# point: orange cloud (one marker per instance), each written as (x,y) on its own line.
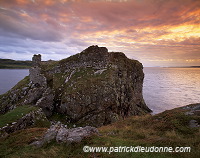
(22,2)
(49,2)
(146,27)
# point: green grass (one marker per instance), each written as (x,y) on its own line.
(42,123)
(81,80)
(48,65)
(85,79)
(165,130)
(15,114)
(58,80)
(73,58)
(18,142)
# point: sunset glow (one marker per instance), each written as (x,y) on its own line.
(155,32)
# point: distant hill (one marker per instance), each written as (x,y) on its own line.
(183,67)
(14,64)
(195,66)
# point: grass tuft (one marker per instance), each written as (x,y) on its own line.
(15,114)
(167,129)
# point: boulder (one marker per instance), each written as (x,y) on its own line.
(62,134)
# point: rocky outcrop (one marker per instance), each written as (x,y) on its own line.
(16,96)
(28,120)
(37,77)
(62,134)
(97,87)
(94,87)
(193,110)
(46,102)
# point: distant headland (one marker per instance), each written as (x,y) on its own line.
(14,64)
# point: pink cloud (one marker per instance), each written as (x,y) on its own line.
(148,26)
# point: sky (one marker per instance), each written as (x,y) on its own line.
(155,32)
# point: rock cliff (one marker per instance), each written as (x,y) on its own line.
(94,87)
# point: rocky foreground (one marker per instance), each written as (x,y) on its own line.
(179,127)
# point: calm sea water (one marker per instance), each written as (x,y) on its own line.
(164,88)
(10,77)
(167,88)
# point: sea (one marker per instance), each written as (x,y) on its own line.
(10,77)
(163,88)
(168,88)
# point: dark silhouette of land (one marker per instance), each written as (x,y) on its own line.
(14,64)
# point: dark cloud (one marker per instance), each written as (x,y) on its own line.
(147,29)
(42,32)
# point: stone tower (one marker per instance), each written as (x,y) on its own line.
(36,59)
(35,73)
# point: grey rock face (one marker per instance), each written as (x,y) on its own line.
(34,95)
(102,94)
(37,77)
(193,124)
(61,134)
(77,134)
(52,133)
(92,57)
(192,110)
(46,102)
(94,87)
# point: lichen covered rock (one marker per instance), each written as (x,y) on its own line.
(101,89)
(62,134)
(94,87)
(34,118)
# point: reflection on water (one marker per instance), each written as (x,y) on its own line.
(167,88)
(164,88)
(10,77)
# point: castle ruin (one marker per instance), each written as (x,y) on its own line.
(35,71)
(36,59)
